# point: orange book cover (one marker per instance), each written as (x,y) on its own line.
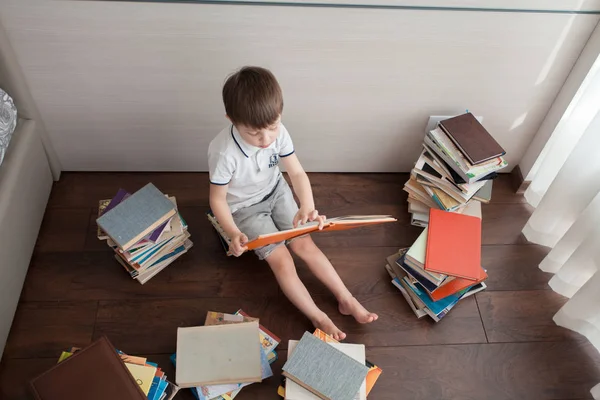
(454,245)
(331,224)
(374,371)
(456,285)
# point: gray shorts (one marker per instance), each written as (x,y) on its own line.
(274,213)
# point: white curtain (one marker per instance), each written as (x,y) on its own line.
(567,219)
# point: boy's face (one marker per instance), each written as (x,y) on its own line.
(262,138)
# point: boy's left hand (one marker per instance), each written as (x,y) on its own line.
(303,216)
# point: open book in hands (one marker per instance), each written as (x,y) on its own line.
(330,224)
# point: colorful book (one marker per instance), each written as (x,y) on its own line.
(374,370)
(268,340)
(454,245)
(325,370)
(137,216)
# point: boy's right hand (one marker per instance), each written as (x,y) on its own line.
(237,247)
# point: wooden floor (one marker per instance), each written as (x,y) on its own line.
(499,344)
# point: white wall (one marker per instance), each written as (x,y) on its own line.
(136,86)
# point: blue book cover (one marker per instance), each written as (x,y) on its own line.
(427,284)
(167,256)
(136,216)
(436,307)
(153,388)
(162,386)
(140,258)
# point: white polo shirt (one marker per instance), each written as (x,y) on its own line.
(251,172)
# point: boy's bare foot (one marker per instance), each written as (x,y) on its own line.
(325,324)
(351,306)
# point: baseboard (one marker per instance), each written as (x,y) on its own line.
(519,184)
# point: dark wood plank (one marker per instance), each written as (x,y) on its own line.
(503,223)
(45,329)
(522,316)
(15,375)
(361,269)
(541,371)
(85,189)
(98,276)
(63,230)
(155,322)
(504,192)
(515,267)
(398,326)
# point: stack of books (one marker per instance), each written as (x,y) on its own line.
(145,230)
(442,267)
(99,371)
(240,349)
(319,367)
(296,393)
(458,163)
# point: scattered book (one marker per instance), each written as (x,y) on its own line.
(268,342)
(218,354)
(325,370)
(165,240)
(99,372)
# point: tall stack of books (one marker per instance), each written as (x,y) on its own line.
(145,230)
(242,351)
(99,371)
(458,163)
(442,267)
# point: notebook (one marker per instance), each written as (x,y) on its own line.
(473,140)
(294,391)
(324,370)
(218,354)
(453,244)
(136,216)
(93,373)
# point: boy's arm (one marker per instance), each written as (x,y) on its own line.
(301,185)
(220,208)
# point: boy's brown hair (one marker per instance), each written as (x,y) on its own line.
(253,97)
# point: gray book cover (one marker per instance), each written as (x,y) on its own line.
(485,193)
(325,370)
(136,216)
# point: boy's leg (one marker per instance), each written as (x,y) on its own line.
(282,265)
(283,212)
(321,267)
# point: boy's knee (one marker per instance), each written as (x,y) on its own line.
(280,260)
(303,246)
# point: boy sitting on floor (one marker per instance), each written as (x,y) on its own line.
(250,197)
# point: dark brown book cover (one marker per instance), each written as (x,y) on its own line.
(94,373)
(473,140)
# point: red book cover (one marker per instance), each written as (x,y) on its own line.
(454,245)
